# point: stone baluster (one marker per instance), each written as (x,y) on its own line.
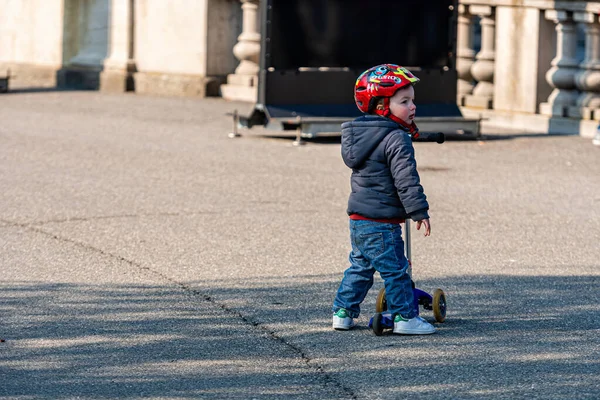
(564,66)
(119,67)
(482,69)
(247,50)
(243,84)
(465,55)
(588,78)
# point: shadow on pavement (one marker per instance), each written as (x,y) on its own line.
(82,341)
(41,90)
(505,337)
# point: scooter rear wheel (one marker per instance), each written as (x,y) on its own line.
(377,324)
(439,305)
(381,304)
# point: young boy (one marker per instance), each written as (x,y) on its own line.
(385,190)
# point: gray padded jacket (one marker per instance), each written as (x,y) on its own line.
(385,182)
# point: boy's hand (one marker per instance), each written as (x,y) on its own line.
(427,226)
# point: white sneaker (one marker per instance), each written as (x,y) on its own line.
(413,326)
(341,320)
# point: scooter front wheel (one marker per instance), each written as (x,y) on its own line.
(377,324)
(439,305)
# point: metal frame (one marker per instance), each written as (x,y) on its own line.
(284,104)
(4,82)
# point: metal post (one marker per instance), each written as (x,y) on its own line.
(236,118)
(299,141)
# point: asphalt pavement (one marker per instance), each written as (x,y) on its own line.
(144,254)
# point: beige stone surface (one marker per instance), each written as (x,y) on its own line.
(175,40)
(114,81)
(31,32)
(239,92)
(525,39)
(175,84)
(30,75)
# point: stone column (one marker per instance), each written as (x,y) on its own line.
(243,84)
(524,51)
(588,78)
(564,66)
(117,76)
(465,55)
(483,68)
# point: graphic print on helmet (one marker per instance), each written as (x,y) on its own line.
(379,82)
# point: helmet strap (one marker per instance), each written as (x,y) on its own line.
(384,111)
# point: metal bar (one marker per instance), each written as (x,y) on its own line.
(299,141)
(236,120)
(407,245)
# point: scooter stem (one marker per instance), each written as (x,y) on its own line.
(407,245)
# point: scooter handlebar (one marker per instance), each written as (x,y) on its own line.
(437,137)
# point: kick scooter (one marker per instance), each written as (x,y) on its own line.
(437,303)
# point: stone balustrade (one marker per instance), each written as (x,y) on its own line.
(587,77)
(531,75)
(482,70)
(465,54)
(243,84)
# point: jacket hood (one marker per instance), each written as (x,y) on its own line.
(361,136)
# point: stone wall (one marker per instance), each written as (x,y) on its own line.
(184,50)
(31,41)
(180,47)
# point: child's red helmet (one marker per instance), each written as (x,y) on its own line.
(379,82)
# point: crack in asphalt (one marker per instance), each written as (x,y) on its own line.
(325,376)
(101,217)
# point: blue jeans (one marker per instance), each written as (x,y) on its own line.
(377,247)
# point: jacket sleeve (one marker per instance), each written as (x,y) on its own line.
(400,155)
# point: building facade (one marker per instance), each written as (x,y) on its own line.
(116,45)
(528,64)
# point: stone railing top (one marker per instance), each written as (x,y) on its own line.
(570,5)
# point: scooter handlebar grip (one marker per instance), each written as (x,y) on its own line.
(437,137)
